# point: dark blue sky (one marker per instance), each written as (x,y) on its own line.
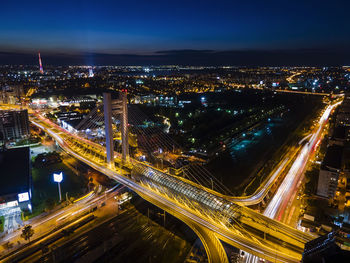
(145,27)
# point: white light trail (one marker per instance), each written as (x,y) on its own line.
(287,187)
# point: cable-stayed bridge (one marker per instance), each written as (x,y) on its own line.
(212,215)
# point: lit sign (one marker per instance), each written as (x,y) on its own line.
(12,204)
(23,197)
(58,177)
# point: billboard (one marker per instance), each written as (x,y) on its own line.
(22,197)
(58,177)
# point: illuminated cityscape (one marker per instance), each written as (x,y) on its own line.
(133,138)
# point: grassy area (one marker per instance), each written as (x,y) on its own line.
(45,188)
(287,135)
(31,140)
(2,221)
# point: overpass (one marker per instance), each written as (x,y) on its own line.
(210,215)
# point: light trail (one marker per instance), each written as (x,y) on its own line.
(58,217)
(262,191)
(297,168)
(276,206)
(233,236)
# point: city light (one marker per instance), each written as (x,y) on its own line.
(58,177)
(22,197)
(165,109)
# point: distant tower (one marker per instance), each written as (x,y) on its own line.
(40,65)
(91,73)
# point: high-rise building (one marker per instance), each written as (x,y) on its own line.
(14,124)
(11,94)
(329,172)
(343,115)
(16,179)
(328,248)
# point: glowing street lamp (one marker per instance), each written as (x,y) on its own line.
(58,179)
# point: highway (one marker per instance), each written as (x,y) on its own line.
(288,187)
(254,240)
(290,78)
(46,223)
(302,92)
(264,188)
(283,194)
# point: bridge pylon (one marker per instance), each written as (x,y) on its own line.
(124,126)
(119,107)
(107,108)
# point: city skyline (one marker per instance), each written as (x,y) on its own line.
(224,32)
(175,131)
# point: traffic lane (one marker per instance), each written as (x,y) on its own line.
(108,172)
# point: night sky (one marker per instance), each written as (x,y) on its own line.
(185,32)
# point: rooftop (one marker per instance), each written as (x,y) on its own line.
(73,123)
(339,133)
(15,170)
(333,157)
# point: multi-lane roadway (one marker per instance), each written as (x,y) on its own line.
(46,223)
(254,240)
(288,187)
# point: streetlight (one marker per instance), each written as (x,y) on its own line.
(58,179)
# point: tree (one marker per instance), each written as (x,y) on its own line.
(27,232)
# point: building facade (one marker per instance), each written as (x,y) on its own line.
(329,172)
(14,124)
(16,179)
